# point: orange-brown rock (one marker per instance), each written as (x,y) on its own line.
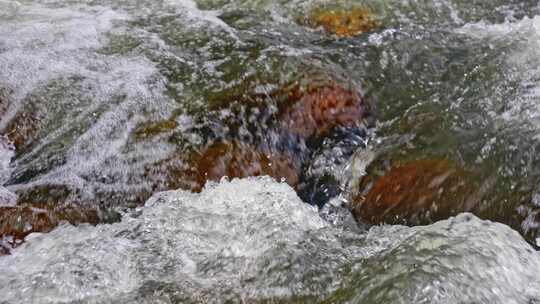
(317,109)
(19,221)
(306,110)
(343,22)
(417,192)
(22,129)
(303,110)
(424,122)
(231,159)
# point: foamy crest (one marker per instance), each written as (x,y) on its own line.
(101,96)
(8,8)
(200,18)
(253,239)
(7,152)
(522,39)
(36,52)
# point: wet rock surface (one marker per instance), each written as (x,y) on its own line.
(303,109)
(23,128)
(3,105)
(16,222)
(251,134)
(154,129)
(274,133)
(222,159)
(417,192)
(42,208)
(316,110)
(343,22)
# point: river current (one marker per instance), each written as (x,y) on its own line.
(108,106)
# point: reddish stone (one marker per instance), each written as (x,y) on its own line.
(417,192)
(302,110)
(305,110)
(19,221)
(22,129)
(231,159)
(316,110)
(344,22)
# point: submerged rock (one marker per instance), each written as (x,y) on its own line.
(342,21)
(23,128)
(4,249)
(231,159)
(17,222)
(417,192)
(319,108)
(262,134)
(4,105)
(153,129)
(300,109)
(41,208)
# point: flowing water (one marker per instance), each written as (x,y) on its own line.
(103,103)
(255,241)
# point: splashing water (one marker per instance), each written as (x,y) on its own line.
(103,102)
(254,240)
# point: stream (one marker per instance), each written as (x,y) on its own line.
(269,151)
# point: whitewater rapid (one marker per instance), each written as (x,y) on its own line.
(253,239)
(90,73)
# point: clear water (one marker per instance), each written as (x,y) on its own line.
(83,77)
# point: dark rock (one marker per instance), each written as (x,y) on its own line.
(4,105)
(293,110)
(4,249)
(153,129)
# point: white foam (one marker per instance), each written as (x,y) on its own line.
(253,239)
(7,198)
(7,152)
(523,63)
(8,8)
(45,47)
(43,44)
(201,18)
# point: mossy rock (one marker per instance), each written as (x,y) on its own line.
(153,129)
(343,22)
(4,105)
